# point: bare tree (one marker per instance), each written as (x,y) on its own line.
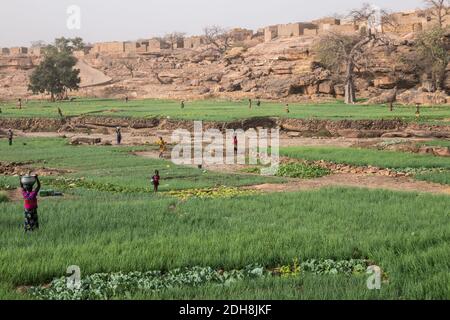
(348,53)
(218,37)
(130,65)
(173,38)
(440,9)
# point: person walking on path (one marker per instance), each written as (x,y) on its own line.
(118,135)
(235,144)
(31,222)
(10,137)
(162,147)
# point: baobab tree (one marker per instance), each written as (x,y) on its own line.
(345,53)
(217,37)
(439,9)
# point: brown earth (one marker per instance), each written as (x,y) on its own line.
(292,127)
(357,181)
(285,69)
(24,168)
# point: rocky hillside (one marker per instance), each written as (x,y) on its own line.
(283,69)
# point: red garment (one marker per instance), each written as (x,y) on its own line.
(235,141)
(156,180)
(30,200)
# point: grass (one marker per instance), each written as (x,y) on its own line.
(406,234)
(220,110)
(3,197)
(436,143)
(364,157)
(115,165)
(425,164)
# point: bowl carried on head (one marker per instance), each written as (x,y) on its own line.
(28,180)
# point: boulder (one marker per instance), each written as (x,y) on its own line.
(396,135)
(442,152)
(85,140)
(412,97)
(386,82)
(326,87)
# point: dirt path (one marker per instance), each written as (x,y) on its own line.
(369,181)
(145,136)
(356,180)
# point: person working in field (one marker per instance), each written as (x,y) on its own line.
(155,181)
(118,135)
(249,103)
(30,205)
(10,137)
(258,103)
(235,144)
(162,146)
(182,104)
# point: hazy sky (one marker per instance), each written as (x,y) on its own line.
(23,21)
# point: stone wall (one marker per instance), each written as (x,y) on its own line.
(239,34)
(193,42)
(270,33)
(157,44)
(109,47)
(18,51)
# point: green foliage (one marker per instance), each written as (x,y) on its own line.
(3,197)
(302,170)
(323,267)
(432,48)
(221,110)
(116,285)
(55,75)
(103,232)
(69,44)
(364,157)
(210,193)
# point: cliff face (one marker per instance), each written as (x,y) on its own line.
(282,69)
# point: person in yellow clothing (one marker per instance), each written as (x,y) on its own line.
(162,146)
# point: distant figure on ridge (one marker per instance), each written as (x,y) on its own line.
(235,144)
(118,135)
(392,98)
(10,137)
